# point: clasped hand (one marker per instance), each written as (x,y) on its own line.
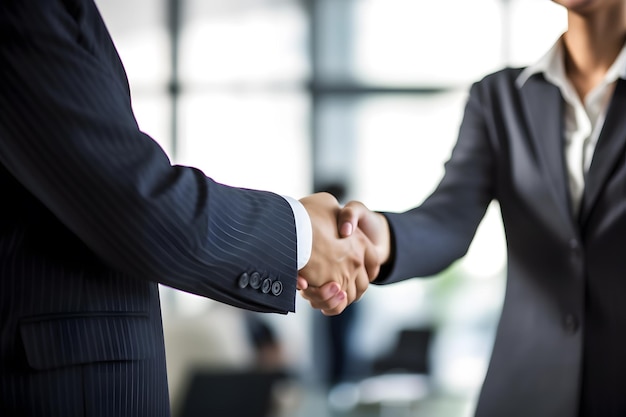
(349,245)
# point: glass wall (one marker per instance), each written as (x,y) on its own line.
(142,39)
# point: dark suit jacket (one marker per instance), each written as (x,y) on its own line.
(93,216)
(561,340)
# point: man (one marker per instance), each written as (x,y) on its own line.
(94,216)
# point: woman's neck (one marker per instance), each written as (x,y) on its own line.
(592,42)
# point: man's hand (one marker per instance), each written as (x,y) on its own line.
(353,219)
(340,269)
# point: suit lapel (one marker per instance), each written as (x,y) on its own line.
(608,150)
(543,105)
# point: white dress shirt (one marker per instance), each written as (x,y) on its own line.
(583,119)
(304,231)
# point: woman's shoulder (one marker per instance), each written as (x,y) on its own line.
(506,76)
(500,83)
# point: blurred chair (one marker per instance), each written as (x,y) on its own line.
(212,393)
(409,355)
(400,378)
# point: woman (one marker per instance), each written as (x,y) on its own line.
(547,142)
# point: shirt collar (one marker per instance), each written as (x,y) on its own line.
(553,67)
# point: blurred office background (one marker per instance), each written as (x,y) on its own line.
(362,98)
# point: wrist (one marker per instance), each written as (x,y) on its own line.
(384,246)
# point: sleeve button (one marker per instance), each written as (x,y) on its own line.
(243,281)
(255,280)
(277,288)
(267,286)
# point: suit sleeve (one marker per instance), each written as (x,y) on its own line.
(428,238)
(69,136)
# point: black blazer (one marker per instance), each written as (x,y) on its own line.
(561,340)
(93,216)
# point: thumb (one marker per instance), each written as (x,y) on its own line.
(348,218)
(302,283)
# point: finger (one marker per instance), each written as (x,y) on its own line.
(322,294)
(351,291)
(361,283)
(302,283)
(335,304)
(350,279)
(340,302)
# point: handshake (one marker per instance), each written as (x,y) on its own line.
(349,246)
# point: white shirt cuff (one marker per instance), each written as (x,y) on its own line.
(304,231)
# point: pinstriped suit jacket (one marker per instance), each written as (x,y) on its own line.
(561,341)
(93,216)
